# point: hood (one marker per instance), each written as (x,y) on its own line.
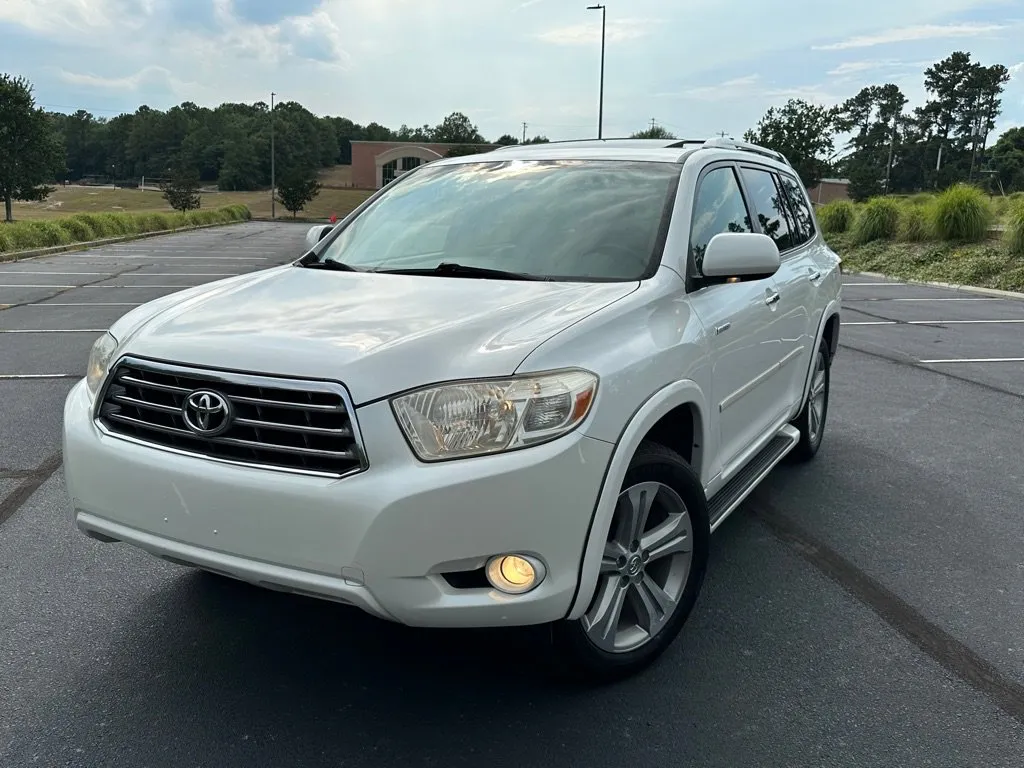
(377,334)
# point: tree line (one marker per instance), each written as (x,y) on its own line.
(889,149)
(892,150)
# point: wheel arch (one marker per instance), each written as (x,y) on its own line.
(667,408)
(828,329)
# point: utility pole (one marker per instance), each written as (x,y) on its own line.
(654,123)
(722,134)
(524,133)
(600,103)
(273,179)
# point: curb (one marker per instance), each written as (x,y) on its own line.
(949,286)
(35,253)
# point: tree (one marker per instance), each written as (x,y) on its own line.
(875,118)
(507,140)
(538,140)
(296,189)
(801,131)
(1008,159)
(457,129)
(461,150)
(30,150)
(182,190)
(654,132)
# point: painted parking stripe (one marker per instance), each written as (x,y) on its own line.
(933,322)
(134,274)
(873,284)
(176,258)
(83,304)
(14,285)
(930,298)
(53,330)
(975,360)
(18,376)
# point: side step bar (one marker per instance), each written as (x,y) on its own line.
(732,494)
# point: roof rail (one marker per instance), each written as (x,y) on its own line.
(746,146)
(623,142)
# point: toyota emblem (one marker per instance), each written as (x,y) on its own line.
(206,413)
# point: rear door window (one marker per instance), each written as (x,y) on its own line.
(767,201)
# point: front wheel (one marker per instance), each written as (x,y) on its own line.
(652,570)
(811,421)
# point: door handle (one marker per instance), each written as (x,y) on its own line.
(771,299)
(815,275)
(722,328)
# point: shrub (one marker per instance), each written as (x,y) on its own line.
(878,221)
(962,212)
(921,198)
(1015,227)
(83,227)
(836,217)
(99,227)
(48,233)
(914,224)
(78,230)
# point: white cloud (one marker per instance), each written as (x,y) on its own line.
(911,34)
(81,18)
(616,31)
(146,76)
(752,88)
(1017,69)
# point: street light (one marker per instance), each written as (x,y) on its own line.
(600,107)
(273,185)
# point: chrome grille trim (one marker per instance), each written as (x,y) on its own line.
(298,426)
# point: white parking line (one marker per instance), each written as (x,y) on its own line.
(958,298)
(169,258)
(932,322)
(976,360)
(85,304)
(138,274)
(15,285)
(873,284)
(16,376)
(53,330)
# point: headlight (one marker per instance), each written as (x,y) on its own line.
(99,362)
(474,418)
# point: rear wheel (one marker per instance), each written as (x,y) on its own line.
(655,557)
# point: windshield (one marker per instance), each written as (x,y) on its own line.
(559,220)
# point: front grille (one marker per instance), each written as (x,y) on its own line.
(282,424)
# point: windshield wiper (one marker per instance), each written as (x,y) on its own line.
(448,269)
(331,264)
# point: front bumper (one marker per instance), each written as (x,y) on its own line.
(379,540)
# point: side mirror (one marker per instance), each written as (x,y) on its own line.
(316,234)
(740,254)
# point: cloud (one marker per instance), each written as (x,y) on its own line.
(1017,69)
(148,76)
(616,31)
(752,88)
(911,34)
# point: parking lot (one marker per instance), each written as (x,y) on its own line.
(866,609)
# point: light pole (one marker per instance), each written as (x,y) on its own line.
(600,103)
(273,180)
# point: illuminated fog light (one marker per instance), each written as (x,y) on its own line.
(514,574)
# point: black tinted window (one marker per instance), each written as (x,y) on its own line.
(802,220)
(719,208)
(766,201)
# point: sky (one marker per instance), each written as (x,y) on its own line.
(696,67)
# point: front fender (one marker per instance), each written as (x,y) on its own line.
(662,402)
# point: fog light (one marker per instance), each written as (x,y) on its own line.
(514,574)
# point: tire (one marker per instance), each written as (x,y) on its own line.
(579,654)
(812,428)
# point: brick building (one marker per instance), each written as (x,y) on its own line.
(376,163)
(828,190)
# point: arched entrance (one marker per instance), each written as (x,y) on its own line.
(395,162)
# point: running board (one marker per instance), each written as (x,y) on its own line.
(732,494)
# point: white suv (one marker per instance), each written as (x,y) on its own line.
(514,388)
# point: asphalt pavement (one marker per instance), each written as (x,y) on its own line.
(866,609)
